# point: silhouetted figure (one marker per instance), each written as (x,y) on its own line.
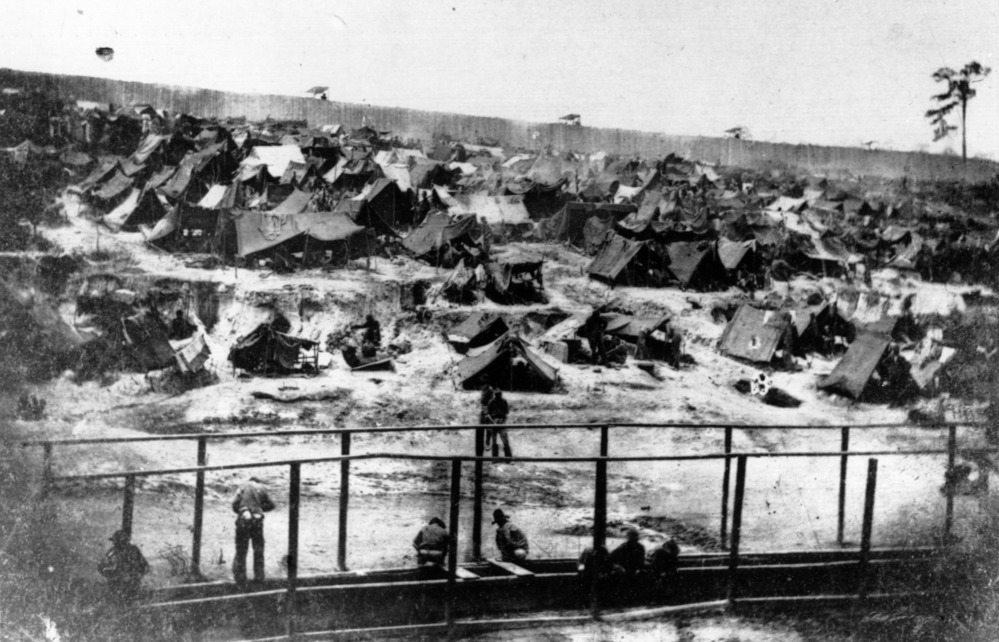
(180,327)
(431,543)
(250,504)
(123,567)
(510,540)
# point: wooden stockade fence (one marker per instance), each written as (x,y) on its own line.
(427,126)
(731,538)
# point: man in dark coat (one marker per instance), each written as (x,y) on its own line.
(628,559)
(510,540)
(250,504)
(497,412)
(431,543)
(123,567)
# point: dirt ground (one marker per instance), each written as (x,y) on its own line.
(790,502)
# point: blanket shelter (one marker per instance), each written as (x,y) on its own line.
(296,203)
(440,240)
(149,338)
(518,281)
(499,210)
(855,370)
(568,224)
(695,265)
(114,190)
(270,350)
(758,336)
(626,262)
(388,202)
(564,340)
(738,256)
(105,169)
(647,334)
(427,173)
(479,329)
(141,207)
(507,364)
(275,157)
(220,197)
(318,237)
(540,200)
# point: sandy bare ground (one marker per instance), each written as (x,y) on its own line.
(790,503)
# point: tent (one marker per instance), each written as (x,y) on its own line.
(737,255)
(695,265)
(388,202)
(758,335)
(514,281)
(268,349)
(854,370)
(507,364)
(275,157)
(219,197)
(479,329)
(148,336)
(142,207)
(437,233)
(296,203)
(628,262)
(499,210)
(568,224)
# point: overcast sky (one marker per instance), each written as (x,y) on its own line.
(820,71)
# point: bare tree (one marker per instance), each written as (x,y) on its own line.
(959,92)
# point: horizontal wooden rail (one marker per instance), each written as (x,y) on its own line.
(465,427)
(550,460)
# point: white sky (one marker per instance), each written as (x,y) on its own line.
(819,71)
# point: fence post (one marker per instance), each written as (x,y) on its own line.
(46,468)
(451,593)
(294,497)
(726,482)
(128,504)
(733,553)
(951,456)
(199,509)
(868,525)
(599,525)
(341,551)
(477,495)
(844,446)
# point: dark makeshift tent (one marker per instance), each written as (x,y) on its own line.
(758,335)
(853,372)
(148,336)
(568,224)
(388,202)
(695,265)
(507,364)
(142,207)
(627,262)
(514,281)
(437,239)
(268,349)
(479,329)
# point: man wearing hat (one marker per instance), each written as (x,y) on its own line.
(123,567)
(510,540)
(431,543)
(250,504)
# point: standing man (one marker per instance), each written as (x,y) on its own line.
(594,330)
(371,340)
(250,504)
(431,543)
(123,567)
(498,410)
(510,540)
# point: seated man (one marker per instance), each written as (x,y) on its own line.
(629,558)
(123,567)
(510,540)
(180,327)
(431,543)
(663,565)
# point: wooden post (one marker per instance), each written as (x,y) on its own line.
(294,496)
(951,456)
(844,446)
(480,437)
(46,468)
(451,592)
(128,505)
(726,482)
(199,509)
(599,526)
(733,553)
(865,537)
(341,551)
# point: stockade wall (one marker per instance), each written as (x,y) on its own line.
(427,125)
